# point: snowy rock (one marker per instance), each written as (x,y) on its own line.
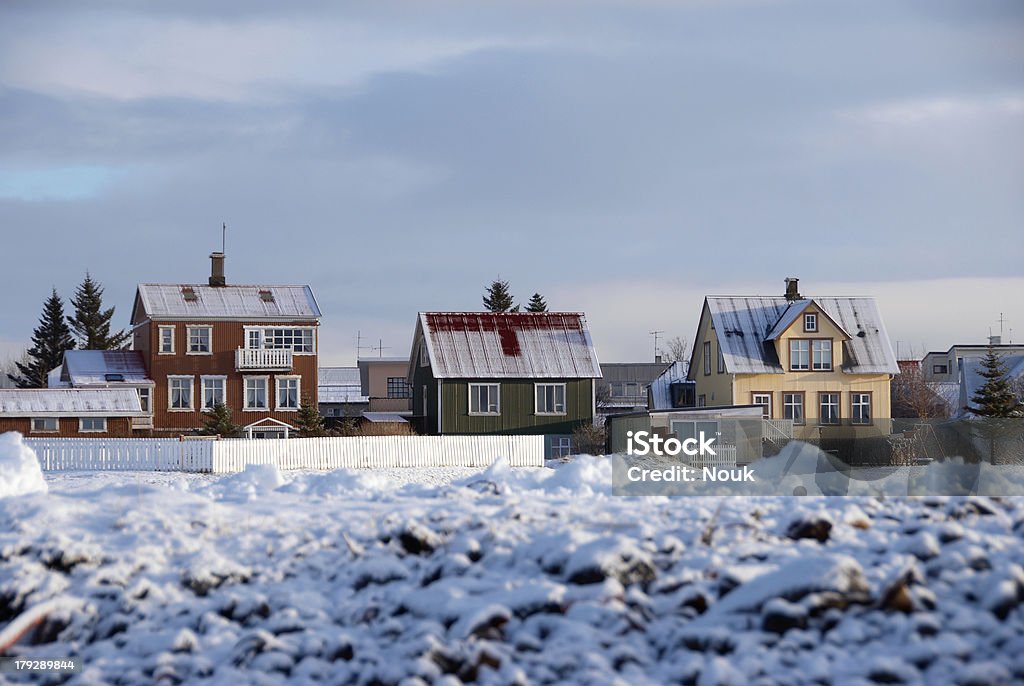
(604,558)
(1005,595)
(20,473)
(816,526)
(779,616)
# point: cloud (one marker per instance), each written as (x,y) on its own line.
(933,110)
(56,183)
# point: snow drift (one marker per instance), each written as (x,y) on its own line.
(19,468)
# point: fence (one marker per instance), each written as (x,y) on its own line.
(232,455)
(725,456)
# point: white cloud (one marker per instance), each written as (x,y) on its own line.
(952,109)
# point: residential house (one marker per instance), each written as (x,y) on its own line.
(671,389)
(954,374)
(623,385)
(251,347)
(70,412)
(939,366)
(107,369)
(823,363)
(384,382)
(504,373)
(340,393)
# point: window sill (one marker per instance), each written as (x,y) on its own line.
(255,409)
(166,354)
(286,409)
(180,409)
(551,414)
(484,414)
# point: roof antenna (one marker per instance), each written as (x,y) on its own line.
(223,237)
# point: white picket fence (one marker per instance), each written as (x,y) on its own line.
(232,455)
(725,456)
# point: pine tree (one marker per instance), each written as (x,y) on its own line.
(537,304)
(497,298)
(309,421)
(49,341)
(996,397)
(91,322)
(218,422)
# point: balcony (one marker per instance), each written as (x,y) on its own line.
(250,359)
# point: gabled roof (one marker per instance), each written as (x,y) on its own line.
(69,402)
(515,345)
(196,302)
(744,325)
(661,387)
(339,385)
(103,367)
(793,312)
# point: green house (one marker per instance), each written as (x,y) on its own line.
(504,373)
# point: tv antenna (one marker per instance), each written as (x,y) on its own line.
(655,334)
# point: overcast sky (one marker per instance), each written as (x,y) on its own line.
(622,158)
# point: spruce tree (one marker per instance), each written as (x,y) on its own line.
(49,341)
(218,422)
(310,423)
(537,304)
(996,397)
(91,322)
(497,298)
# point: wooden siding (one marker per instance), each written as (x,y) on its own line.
(117,427)
(517,408)
(226,338)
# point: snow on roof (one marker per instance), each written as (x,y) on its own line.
(488,345)
(69,402)
(339,385)
(187,301)
(102,367)
(385,417)
(792,313)
(661,387)
(745,323)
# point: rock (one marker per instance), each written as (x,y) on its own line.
(815,526)
(485,623)
(779,616)
(1007,594)
(417,539)
(612,558)
(185,642)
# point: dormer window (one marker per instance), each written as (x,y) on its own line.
(188,294)
(266,296)
(810,322)
(814,354)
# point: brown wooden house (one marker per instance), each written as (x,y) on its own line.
(251,347)
(70,412)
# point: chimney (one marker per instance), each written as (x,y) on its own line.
(791,288)
(217,269)
(657,359)
(995,340)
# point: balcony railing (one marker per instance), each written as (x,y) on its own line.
(256,358)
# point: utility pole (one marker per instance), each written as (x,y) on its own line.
(656,334)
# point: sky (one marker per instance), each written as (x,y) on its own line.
(622,158)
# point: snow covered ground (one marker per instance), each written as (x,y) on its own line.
(506,576)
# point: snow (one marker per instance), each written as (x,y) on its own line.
(504,576)
(19,468)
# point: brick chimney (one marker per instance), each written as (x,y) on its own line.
(791,288)
(217,269)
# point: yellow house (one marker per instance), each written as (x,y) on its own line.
(824,363)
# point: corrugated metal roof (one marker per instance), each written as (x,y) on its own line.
(745,323)
(789,317)
(169,301)
(488,345)
(339,385)
(661,387)
(69,402)
(385,417)
(102,367)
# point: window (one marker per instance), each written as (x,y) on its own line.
(765,401)
(484,398)
(145,400)
(166,346)
(821,353)
(688,429)
(810,322)
(256,393)
(828,408)
(707,358)
(793,407)
(287,392)
(45,424)
(940,369)
(721,360)
(213,391)
(550,398)
(702,400)
(398,387)
(860,408)
(179,392)
(799,354)
(92,424)
(298,340)
(561,446)
(198,340)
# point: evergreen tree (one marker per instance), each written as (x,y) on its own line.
(497,298)
(537,304)
(996,397)
(91,322)
(49,341)
(218,422)
(309,421)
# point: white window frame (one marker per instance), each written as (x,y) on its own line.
(721,360)
(191,392)
(536,399)
(497,400)
(44,430)
(260,333)
(160,339)
(837,419)
(83,420)
(702,400)
(561,446)
(246,407)
(277,392)
(823,345)
(855,405)
(811,322)
(799,350)
(146,398)
(706,354)
(802,404)
(767,412)
(188,340)
(202,389)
